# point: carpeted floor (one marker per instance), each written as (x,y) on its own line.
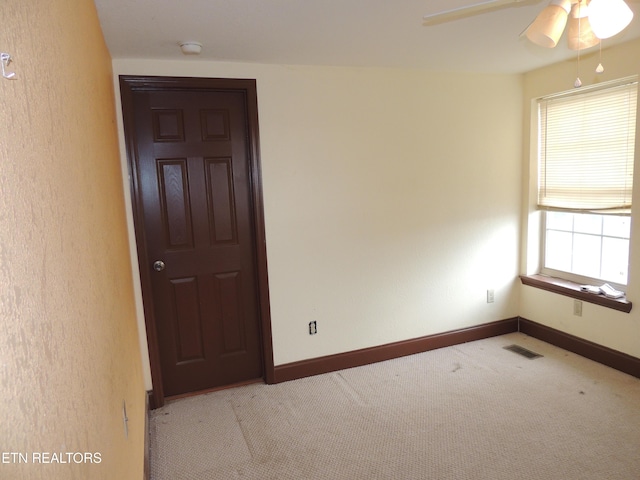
(472,411)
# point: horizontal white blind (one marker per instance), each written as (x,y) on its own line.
(586,149)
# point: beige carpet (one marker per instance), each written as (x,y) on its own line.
(473,411)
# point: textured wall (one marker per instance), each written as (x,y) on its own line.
(69,353)
(392,199)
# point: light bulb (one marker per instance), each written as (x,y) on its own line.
(609,17)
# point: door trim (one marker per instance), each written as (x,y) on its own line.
(130,84)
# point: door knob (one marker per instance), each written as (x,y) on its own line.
(158,265)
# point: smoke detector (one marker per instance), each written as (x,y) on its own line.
(191,48)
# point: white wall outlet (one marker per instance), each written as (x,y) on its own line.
(490,296)
(313,328)
(577,308)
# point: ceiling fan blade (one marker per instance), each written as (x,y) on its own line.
(467,11)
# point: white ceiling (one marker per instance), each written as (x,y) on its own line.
(368,33)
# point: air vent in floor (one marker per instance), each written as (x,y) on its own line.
(522,351)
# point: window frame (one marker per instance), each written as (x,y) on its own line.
(574,277)
(561,282)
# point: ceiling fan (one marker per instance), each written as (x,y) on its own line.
(470,10)
(589,21)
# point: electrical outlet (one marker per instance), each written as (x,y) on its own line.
(490,296)
(577,308)
(313,328)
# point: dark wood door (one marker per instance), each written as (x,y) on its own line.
(195,198)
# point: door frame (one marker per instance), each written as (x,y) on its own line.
(129,84)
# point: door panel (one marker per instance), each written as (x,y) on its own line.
(188,335)
(175,203)
(221,200)
(194,188)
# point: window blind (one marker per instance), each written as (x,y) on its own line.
(586,149)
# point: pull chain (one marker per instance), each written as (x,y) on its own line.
(578,82)
(600,68)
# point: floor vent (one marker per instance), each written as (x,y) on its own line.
(522,351)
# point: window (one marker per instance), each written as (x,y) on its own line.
(588,245)
(585,178)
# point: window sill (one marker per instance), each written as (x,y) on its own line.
(572,289)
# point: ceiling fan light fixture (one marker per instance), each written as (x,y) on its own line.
(579,32)
(579,9)
(609,17)
(548,26)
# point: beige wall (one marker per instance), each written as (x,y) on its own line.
(620,331)
(392,199)
(69,352)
